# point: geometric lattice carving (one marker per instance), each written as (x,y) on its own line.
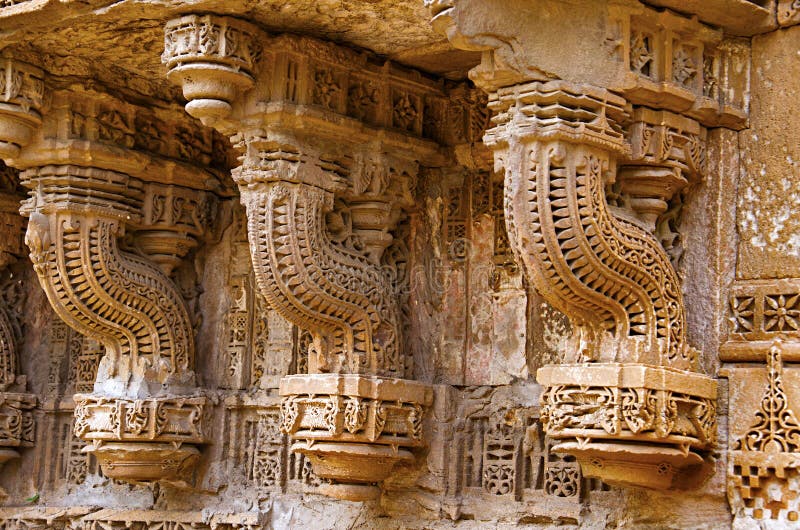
(764,468)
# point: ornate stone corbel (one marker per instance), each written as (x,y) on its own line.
(90,168)
(627,402)
(331,144)
(127,304)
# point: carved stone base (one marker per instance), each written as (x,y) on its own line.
(141,440)
(353,428)
(629,424)
(7,454)
(357,462)
(620,464)
(144,462)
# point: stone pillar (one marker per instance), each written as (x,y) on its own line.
(573,103)
(331,143)
(100,169)
(17,425)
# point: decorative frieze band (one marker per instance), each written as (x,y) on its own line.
(760,312)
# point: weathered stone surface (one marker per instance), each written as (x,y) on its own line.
(288,267)
(769,189)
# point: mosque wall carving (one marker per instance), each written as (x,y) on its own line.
(399,264)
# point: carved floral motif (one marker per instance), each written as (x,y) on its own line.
(760,312)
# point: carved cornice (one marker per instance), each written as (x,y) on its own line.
(89,128)
(657,59)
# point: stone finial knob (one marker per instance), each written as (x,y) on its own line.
(212,59)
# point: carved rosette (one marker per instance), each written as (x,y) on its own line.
(627,417)
(120,299)
(331,145)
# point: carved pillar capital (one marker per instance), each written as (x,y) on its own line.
(331,144)
(212,58)
(100,169)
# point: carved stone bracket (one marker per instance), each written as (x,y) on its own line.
(558,144)
(121,300)
(561,145)
(100,169)
(353,427)
(331,143)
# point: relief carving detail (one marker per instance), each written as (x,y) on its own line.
(320,211)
